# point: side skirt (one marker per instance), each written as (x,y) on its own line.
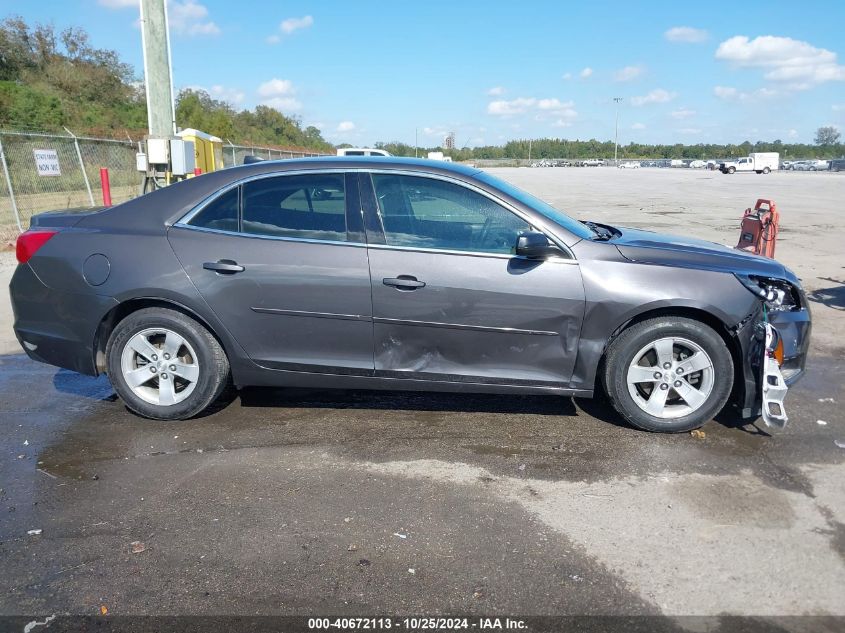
(263,377)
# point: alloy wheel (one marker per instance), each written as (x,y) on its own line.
(670,378)
(160,366)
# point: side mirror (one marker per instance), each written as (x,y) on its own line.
(534,245)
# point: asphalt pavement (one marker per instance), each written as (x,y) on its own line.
(315,502)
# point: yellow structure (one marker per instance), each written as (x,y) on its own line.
(208,149)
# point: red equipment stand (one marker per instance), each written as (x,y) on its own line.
(759,229)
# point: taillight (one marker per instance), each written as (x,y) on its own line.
(28,243)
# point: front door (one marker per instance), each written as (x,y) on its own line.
(283,269)
(450,300)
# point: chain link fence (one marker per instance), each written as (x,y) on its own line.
(44,172)
(234,154)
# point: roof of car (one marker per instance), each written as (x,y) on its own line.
(164,205)
(367,162)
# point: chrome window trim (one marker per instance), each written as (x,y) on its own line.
(279,238)
(542,226)
(185,219)
(420,249)
(183,222)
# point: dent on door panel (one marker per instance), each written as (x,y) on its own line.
(478,319)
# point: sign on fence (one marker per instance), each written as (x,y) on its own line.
(47,162)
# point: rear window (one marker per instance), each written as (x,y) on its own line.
(220,214)
(308,207)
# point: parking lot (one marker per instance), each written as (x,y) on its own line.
(302,502)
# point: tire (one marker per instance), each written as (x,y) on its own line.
(635,347)
(766,170)
(731,170)
(200,364)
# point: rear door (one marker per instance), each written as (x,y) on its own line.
(450,300)
(282,262)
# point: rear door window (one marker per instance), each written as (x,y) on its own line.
(311,206)
(221,214)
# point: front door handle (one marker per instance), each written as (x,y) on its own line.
(403,282)
(224,267)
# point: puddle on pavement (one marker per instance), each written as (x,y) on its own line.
(555,437)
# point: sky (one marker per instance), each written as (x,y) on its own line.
(491,71)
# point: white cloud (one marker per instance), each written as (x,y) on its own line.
(586,72)
(564,111)
(232,96)
(728,93)
(288,26)
(567,76)
(682,113)
(658,95)
(279,94)
(509,108)
(294,24)
(783,59)
(345,126)
(276,88)
(438,132)
(496,91)
(190,18)
(119,4)
(554,105)
(686,34)
(689,130)
(792,134)
(838,107)
(628,73)
(725,92)
(638,126)
(283,104)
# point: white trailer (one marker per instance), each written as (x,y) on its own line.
(757,162)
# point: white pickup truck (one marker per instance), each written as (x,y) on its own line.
(758,162)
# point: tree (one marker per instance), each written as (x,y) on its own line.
(828,135)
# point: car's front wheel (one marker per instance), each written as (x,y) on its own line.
(668,374)
(164,365)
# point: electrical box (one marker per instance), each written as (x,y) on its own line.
(141,162)
(182,159)
(208,149)
(157,151)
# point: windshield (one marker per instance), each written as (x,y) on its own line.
(543,208)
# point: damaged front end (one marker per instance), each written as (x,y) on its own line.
(773,343)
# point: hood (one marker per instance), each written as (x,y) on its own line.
(641,246)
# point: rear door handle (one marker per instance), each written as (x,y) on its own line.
(224,266)
(403,282)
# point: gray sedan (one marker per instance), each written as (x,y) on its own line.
(398,274)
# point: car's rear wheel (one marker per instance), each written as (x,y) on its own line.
(164,365)
(731,170)
(668,374)
(766,170)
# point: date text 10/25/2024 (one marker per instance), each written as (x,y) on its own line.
(417,624)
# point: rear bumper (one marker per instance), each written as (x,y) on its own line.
(55,327)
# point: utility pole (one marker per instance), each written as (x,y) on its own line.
(416,141)
(616,142)
(158,80)
(529,149)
